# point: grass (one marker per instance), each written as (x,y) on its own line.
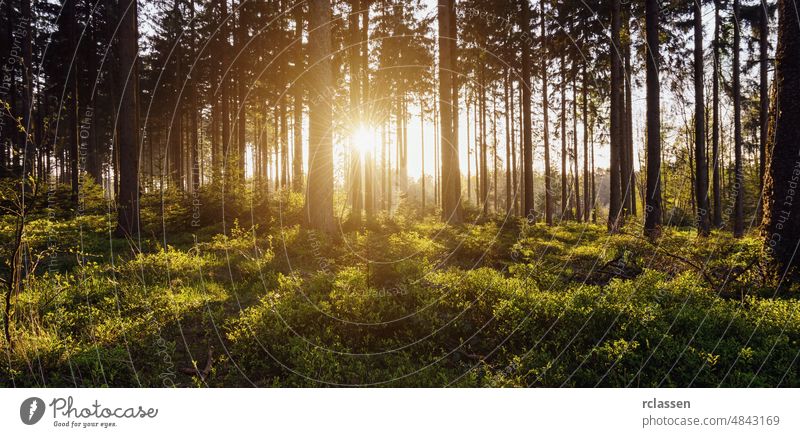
(489,304)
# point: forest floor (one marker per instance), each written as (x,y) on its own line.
(497,303)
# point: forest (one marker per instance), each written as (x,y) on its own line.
(400,193)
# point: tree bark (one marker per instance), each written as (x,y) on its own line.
(652,211)
(354,57)
(566,211)
(781,225)
(224,84)
(299,91)
(548,189)
(241,90)
(738,208)
(615,205)
(451,177)
(509,136)
(585,114)
(73,107)
(319,195)
(716,121)
(484,174)
(527,145)
(763,100)
(576,172)
(28,147)
(628,174)
(128,120)
(701,170)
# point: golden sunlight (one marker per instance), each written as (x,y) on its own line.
(364,140)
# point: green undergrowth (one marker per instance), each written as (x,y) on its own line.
(406,302)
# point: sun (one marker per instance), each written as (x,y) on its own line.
(364,140)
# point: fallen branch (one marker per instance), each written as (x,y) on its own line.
(202,374)
(700,269)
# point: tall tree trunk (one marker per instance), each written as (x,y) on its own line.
(615,204)
(283,114)
(175,152)
(369,165)
(509,136)
(437,155)
(214,133)
(319,195)
(585,114)
(494,150)
(299,91)
(194,108)
(28,146)
(738,208)
(715,125)
(94,160)
(576,173)
(781,225)
(128,120)
(73,108)
(454,112)
(652,210)
(566,212)
(451,177)
(628,175)
(354,57)
(763,99)
(469,153)
(403,161)
(476,149)
(384,168)
(484,175)
(592,166)
(594,187)
(528,147)
(225,116)
(514,187)
(422,150)
(701,170)
(241,90)
(389,181)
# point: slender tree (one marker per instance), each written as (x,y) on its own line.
(128,120)
(27,90)
(575,170)
(652,211)
(615,203)
(319,194)
(451,177)
(701,169)
(585,122)
(73,111)
(354,56)
(738,208)
(763,96)
(566,212)
(527,145)
(299,94)
(507,128)
(548,190)
(715,123)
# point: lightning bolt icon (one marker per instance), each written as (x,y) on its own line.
(34,406)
